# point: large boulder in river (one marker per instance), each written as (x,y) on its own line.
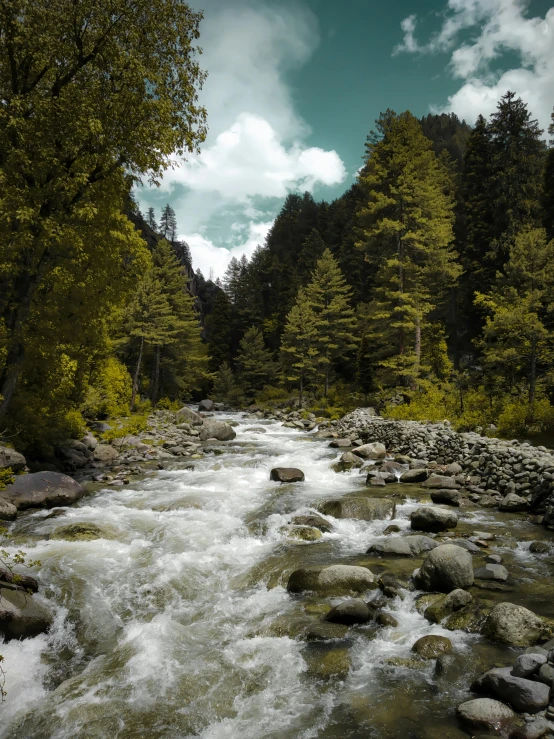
(10,458)
(515,625)
(433,519)
(332,580)
(206,406)
(414,475)
(43,490)
(212,429)
(354,611)
(79,532)
(105,453)
(526,696)
(447,605)
(21,616)
(186,415)
(362,509)
(402,546)
(286,474)
(438,482)
(513,503)
(445,568)
(375,450)
(485,713)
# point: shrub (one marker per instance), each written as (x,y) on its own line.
(109,392)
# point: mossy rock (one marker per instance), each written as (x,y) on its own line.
(424,601)
(317,609)
(469,619)
(80,532)
(327,664)
(432,646)
(306,628)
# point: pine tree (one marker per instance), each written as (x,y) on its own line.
(255,363)
(517,343)
(168,223)
(518,168)
(311,251)
(151,321)
(151,219)
(219,331)
(299,355)
(184,361)
(225,388)
(328,297)
(365,367)
(406,231)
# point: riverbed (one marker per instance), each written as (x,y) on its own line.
(178,623)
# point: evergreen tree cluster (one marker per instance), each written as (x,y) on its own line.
(429,282)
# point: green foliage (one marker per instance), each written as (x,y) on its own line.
(299,352)
(7,476)
(109,391)
(135,424)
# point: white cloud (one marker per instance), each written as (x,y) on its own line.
(249,159)
(503,26)
(206,256)
(256,147)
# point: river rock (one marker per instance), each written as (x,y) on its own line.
(514,625)
(8,511)
(536,729)
(27,582)
(375,450)
(332,580)
(444,569)
(539,547)
(362,509)
(302,533)
(525,696)
(21,616)
(90,441)
(438,482)
(105,453)
(286,474)
(430,647)
(351,460)
(332,663)
(513,503)
(412,476)
(485,713)
(212,429)
(402,546)
(491,572)
(454,469)
(354,611)
(527,664)
(446,497)
(43,490)
(313,520)
(340,443)
(546,675)
(206,406)
(10,458)
(445,606)
(79,532)
(186,415)
(386,619)
(432,518)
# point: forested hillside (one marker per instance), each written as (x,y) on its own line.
(424,290)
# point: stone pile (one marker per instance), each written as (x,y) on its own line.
(510,475)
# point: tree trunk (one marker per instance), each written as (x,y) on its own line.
(300,397)
(156,383)
(136,377)
(417,348)
(533,379)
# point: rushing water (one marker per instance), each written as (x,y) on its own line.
(172,627)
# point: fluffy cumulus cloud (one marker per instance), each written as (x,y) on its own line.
(478,34)
(256,148)
(213,260)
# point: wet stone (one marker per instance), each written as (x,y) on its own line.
(430,647)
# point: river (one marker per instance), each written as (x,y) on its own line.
(174,626)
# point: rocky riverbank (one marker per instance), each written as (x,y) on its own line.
(509,475)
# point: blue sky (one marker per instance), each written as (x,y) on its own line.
(295,87)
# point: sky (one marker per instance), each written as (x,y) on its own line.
(294,87)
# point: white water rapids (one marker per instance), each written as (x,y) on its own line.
(164,630)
